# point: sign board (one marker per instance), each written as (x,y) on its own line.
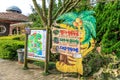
(65,41)
(37,45)
(74,39)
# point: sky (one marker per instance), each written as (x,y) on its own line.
(24,5)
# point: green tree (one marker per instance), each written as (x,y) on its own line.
(34,17)
(108,26)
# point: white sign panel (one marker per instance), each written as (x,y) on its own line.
(37,44)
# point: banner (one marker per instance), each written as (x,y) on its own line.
(37,45)
(65,41)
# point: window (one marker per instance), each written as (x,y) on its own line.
(2,29)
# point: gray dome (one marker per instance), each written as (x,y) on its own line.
(14,9)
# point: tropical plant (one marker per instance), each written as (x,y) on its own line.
(108,27)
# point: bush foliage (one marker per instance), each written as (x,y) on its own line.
(108,26)
(13,37)
(9,45)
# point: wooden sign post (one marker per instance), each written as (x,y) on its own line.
(25,53)
(27,32)
(36,47)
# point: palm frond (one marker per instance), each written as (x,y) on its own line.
(89,22)
(91,27)
(68,22)
(87,35)
(85,13)
(90,19)
(68,16)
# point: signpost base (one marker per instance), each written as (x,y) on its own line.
(25,54)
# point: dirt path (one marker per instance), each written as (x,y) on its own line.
(11,70)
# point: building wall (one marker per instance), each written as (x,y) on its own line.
(7,26)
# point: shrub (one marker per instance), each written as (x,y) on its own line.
(54,57)
(9,45)
(94,61)
(108,26)
(13,37)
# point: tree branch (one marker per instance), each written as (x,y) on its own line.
(44,8)
(63,4)
(50,13)
(66,6)
(98,1)
(71,7)
(39,11)
(60,9)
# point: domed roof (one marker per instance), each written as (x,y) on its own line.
(14,9)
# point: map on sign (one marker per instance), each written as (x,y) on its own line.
(37,44)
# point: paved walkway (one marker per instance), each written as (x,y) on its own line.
(11,70)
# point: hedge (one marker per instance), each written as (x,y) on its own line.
(13,37)
(9,45)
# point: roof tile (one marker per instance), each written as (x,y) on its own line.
(13,16)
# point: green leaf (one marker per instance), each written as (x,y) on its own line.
(85,14)
(87,35)
(91,27)
(68,17)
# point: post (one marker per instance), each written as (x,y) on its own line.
(25,53)
(27,32)
(79,76)
(47,52)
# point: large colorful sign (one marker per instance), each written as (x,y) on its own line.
(65,41)
(37,45)
(74,39)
